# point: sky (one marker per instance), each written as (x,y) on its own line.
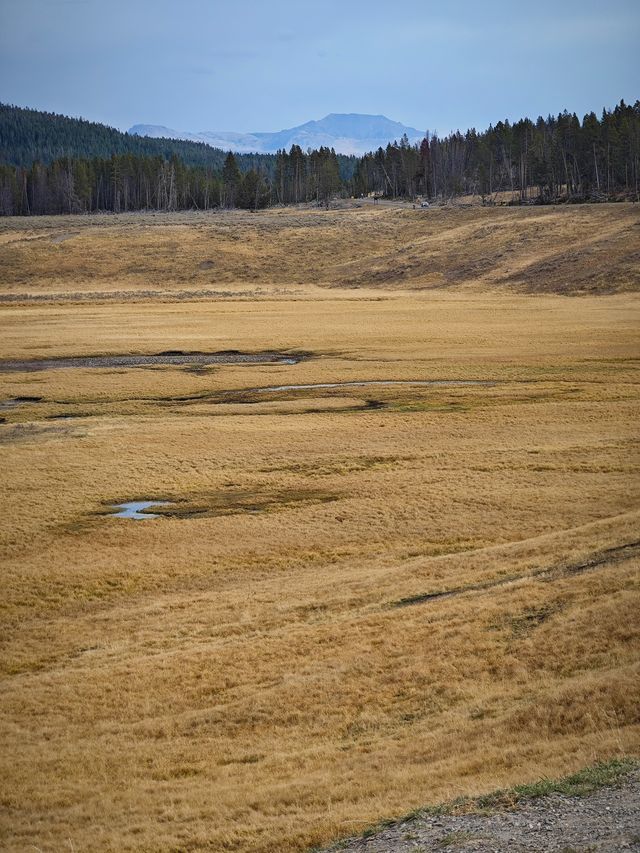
(265,65)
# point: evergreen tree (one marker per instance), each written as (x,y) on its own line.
(231,181)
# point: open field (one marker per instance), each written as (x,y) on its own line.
(360,598)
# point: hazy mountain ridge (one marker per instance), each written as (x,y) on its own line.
(347,133)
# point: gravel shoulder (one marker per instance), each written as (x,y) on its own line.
(605,821)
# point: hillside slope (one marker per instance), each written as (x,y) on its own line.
(567,250)
(28,135)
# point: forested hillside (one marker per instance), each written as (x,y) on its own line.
(51,164)
(28,136)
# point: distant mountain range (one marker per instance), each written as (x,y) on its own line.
(347,133)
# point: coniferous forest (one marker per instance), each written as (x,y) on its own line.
(51,164)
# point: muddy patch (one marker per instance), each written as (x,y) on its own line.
(261,395)
(13,402)
(255,395)
(199,369)
(228,501)
(340,465)
(16,433)
(233,501)
(170,357)
(69,417)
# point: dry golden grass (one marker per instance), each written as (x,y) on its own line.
(263,668)
(574,249)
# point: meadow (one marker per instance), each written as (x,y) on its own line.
(359,598)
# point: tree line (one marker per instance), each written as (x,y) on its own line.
(555,159)
(125,182)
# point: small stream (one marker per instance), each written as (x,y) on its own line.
(433,383)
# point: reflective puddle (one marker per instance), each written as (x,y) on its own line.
(136,509)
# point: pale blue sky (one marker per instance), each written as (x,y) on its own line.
(213,65)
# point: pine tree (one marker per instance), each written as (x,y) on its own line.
(231,180)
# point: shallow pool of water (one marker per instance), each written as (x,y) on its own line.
(136,509)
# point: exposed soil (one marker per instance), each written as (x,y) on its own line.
(606,821)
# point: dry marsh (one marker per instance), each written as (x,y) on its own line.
(361,598)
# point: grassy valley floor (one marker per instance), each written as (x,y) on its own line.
(359,598)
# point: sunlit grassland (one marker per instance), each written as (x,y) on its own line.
(268,665)
(241,255)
